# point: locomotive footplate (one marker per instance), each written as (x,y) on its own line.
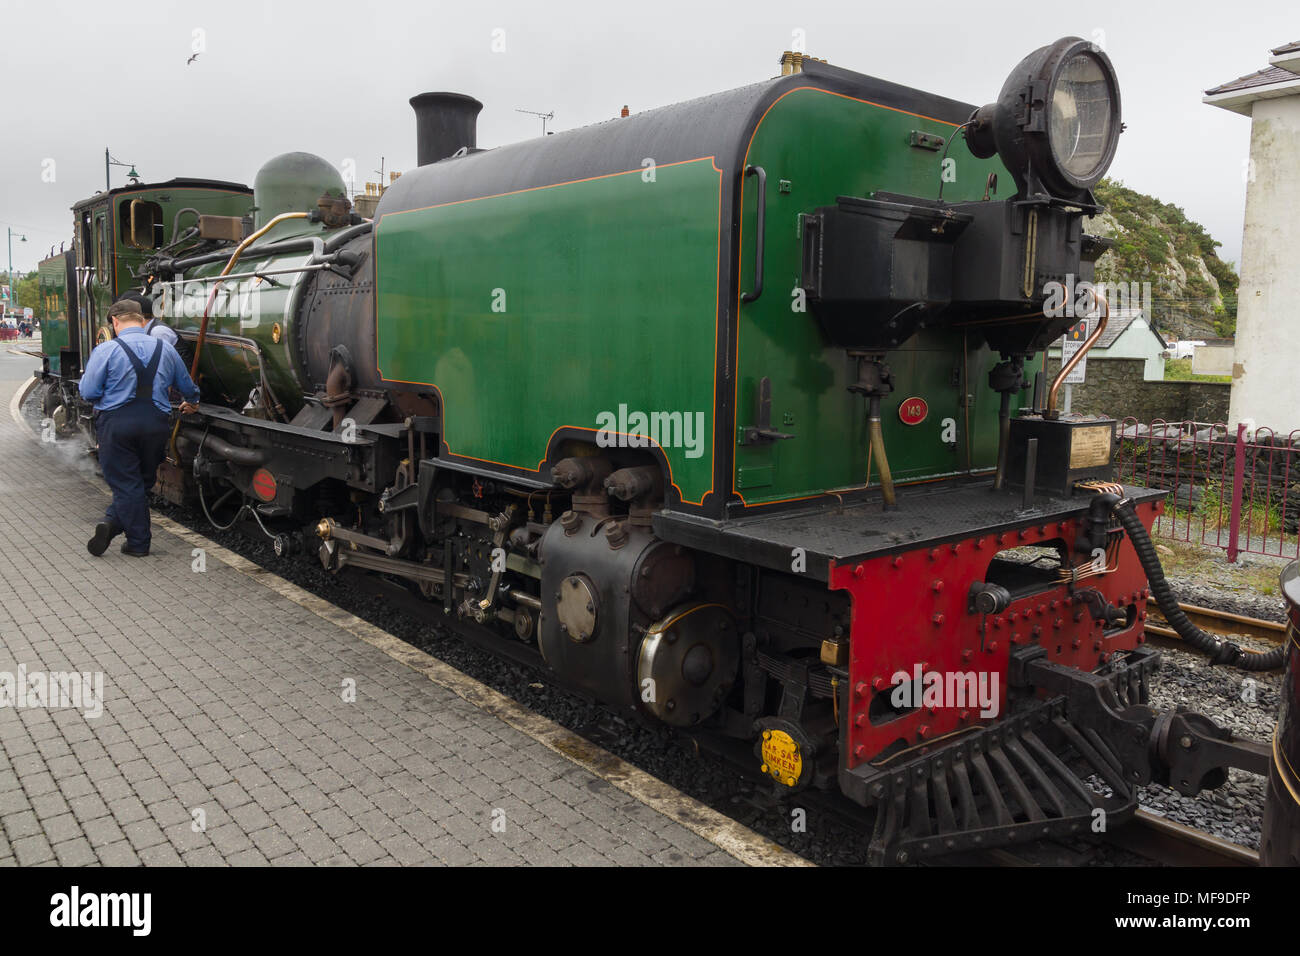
(832,532)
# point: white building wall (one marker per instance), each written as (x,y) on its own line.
(1266,371)
(1138,341)
(1212,360)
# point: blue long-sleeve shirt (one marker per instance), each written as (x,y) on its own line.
(109,379)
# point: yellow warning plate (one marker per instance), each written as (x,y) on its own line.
(781,757)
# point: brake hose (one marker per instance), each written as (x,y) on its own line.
(1217,650)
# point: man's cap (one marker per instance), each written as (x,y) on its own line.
(146,303)
(125,307)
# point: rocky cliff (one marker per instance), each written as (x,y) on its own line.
(1193,291)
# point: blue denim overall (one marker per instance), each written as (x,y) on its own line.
(132,444)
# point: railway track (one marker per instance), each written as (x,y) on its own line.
(1216,622)
(1174,844)
(1147,837)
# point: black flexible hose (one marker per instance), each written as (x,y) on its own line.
(1217,650)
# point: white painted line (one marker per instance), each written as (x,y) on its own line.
(16,404)
(733,838)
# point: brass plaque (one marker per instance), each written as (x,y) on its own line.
(230,228)
(1090,447)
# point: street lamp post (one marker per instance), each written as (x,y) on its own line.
(13,286)
(110,161)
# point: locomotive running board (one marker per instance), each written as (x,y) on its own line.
(1005,783)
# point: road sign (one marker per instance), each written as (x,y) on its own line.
(1075,336)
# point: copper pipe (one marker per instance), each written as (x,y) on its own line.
(1068,367)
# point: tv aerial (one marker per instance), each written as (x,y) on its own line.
(545,117)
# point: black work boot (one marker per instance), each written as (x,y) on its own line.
(104,533)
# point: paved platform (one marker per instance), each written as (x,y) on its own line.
(223,704)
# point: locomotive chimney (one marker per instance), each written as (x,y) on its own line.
(444,122)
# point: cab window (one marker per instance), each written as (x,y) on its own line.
(140,223)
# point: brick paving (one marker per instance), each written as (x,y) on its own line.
(225,737)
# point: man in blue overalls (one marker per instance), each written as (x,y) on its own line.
(127,379)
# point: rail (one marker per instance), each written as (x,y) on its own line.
(1216,622)
(1175,844)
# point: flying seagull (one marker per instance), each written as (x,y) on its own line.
(191,59)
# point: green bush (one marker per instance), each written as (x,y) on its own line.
(1180,370)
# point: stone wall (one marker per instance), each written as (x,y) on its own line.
(1115,387)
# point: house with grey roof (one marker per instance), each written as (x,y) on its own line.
(1129,334)
(1265,386)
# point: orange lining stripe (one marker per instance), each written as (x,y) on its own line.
(1280,758)
(567,182)
(834,492)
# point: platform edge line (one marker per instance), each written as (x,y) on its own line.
(16,404)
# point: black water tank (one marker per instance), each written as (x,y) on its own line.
(444,122)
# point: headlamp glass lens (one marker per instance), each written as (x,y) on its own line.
(1081,117)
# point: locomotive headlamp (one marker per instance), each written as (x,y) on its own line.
(1056,122)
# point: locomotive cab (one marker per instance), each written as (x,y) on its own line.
(115,235)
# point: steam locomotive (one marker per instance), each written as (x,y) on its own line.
(730,414)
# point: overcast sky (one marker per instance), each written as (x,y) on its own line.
(333,78)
